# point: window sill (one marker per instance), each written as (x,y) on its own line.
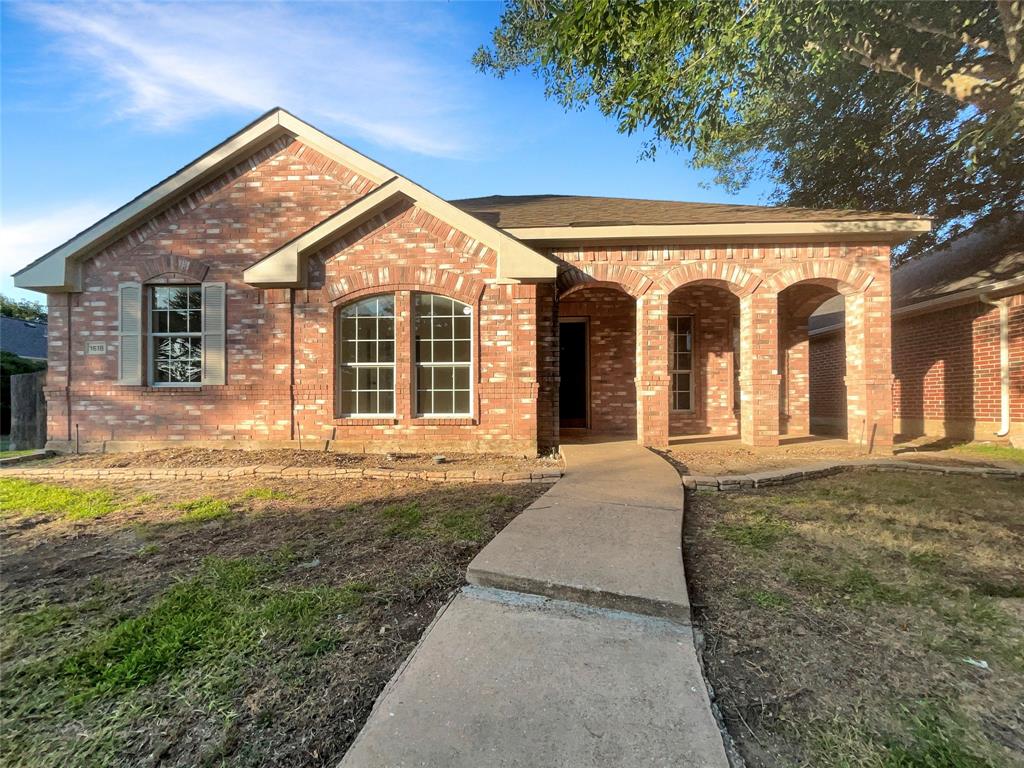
(451,421)
(364,421)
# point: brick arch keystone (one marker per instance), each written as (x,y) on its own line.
(168,264)
(353,285)
(632,281)
(849,277)
(740,281)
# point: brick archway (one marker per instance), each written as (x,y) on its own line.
(354,285)
(738,280)
(843,276)
(157,266)
(632,281)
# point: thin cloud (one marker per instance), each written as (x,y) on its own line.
(368,73)
(23,240)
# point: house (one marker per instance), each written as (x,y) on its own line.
(958,341)
(284,288)
(23,338)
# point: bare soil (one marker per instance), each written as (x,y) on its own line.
(866,619)
(70,584)
(227,457)
(730,457)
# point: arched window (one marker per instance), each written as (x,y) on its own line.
(366,370)
(444,356)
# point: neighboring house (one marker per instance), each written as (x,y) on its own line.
(23,338)
(284,287)
(958,341)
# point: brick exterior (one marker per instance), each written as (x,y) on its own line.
(281,361)
(827,386)
(947,371)
(611,316)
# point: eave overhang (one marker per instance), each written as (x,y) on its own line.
(286,267)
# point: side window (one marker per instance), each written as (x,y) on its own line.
(175,335)
(444,356)
(681,361)
(366,370)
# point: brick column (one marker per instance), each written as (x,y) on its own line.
(652,379)
(759,369)
(405,357)
(869,379)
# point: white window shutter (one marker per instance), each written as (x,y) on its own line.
(214,348)
(129,320)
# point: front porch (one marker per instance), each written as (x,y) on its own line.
(716,351)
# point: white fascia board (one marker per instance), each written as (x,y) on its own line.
(888,229)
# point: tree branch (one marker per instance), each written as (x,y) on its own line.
(982,84)
(1011,17)
(919,25)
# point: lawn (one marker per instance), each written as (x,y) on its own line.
(238,624)
(867,620)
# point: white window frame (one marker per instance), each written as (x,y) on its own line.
(356,366)
(673,371)
(152,336)
(417,365)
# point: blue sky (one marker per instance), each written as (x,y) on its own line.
(100,101)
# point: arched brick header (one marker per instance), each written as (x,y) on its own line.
(740,281)
(849,277)
(169,264)
(632,281)
(405,278)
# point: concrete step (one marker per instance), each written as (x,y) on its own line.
(513,681)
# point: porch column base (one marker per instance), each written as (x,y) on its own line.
(759,410)
(869,413)
(652,412)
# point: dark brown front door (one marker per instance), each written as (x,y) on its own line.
(573,397)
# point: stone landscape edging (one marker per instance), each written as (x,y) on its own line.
(284,472)
(773,477)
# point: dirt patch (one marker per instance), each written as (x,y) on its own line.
(227,457)
(865,619)
(259,635)
(730,457)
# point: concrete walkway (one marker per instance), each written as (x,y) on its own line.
(571,648)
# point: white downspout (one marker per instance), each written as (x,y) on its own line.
(1004,362)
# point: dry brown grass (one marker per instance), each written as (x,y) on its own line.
(840,612)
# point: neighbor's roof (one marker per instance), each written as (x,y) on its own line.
(518,211)
(988,258)
(23,338)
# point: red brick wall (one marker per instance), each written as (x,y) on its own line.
(946,365)
(280,343)
(827,388)
(612,326)
(714,311)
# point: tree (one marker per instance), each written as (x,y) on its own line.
(24,309)
(907,105)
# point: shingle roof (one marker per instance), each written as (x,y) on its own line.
(973,261)
(23,338)
(517,211)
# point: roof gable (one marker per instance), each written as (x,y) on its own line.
(57,271)
(287,265)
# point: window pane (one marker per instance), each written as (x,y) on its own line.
(195,297)
(443,306)
(443,378)
(159,322)
(462,402)
(367,353)
(442,351)
(424,352)
(423,327)
(423,401)
(177,321)
(461,352)
(462,327)
(462,377)
(443,402)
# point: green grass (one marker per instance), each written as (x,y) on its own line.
(992,451)
(203,509)
(404,520)
(5,454)
(217,621)
(28,498)
(764,598)
(264,494)
(757,530)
